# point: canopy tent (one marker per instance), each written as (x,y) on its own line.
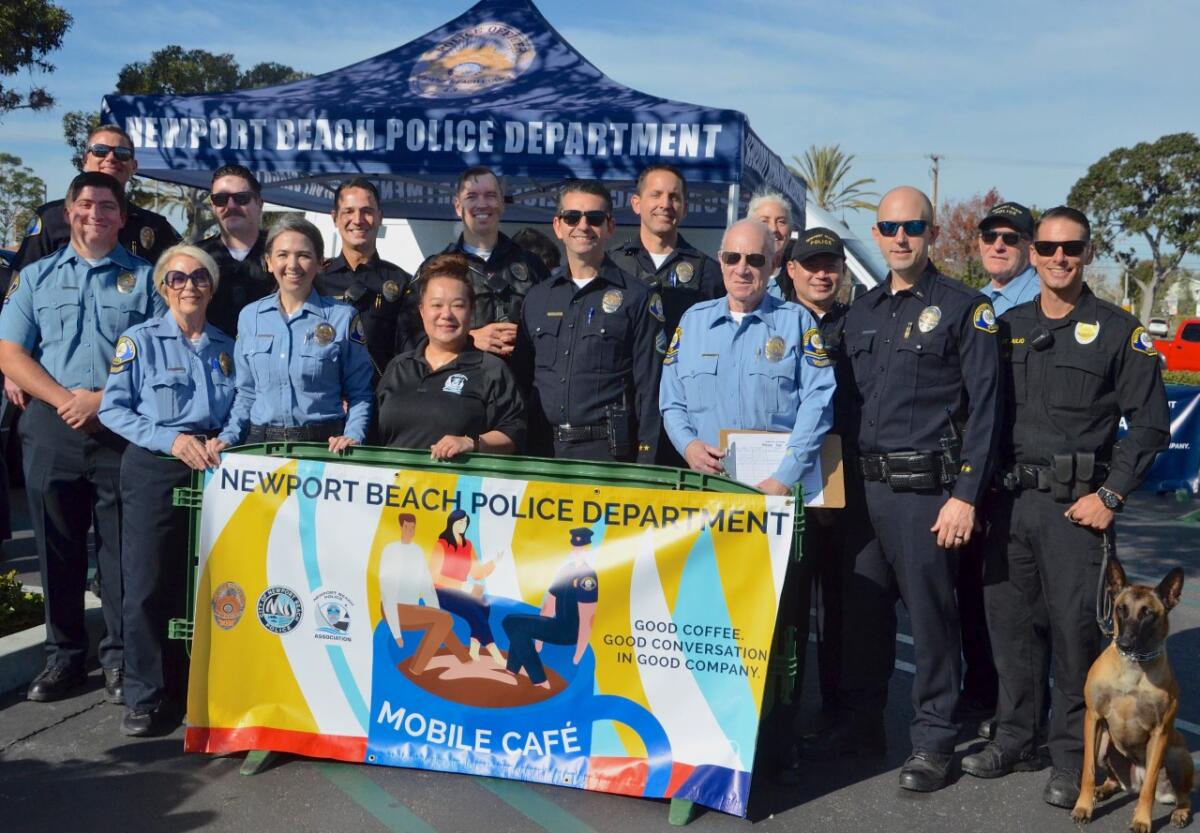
(496,86)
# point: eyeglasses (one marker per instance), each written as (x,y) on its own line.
(1071,248)
(1010,238)
(572,217)
(100,151)
(221,199)
(201,279)
(913,228)
(755,260)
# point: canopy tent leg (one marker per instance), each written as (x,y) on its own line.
(731,205)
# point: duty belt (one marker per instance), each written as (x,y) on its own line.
(318,432)
(907,471)
(1072,477)
(580,433)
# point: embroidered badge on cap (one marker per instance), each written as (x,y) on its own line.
(226,362)
(611,302)
(673,348)
(391,291)
(684,272)
(357,333)
(323,333)
(928,319)
(1141,342)
(656,307)
(814,348)
(146,237)
(984,318)
(455,383)
(126,282)
(774,348)
(126,351)
(1086,333)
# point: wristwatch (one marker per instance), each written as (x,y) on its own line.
(1111,500)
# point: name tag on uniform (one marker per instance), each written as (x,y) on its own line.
(554,315)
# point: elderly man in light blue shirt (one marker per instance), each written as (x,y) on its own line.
(747,361)
(1005,236)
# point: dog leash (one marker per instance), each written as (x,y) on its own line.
(1104,601)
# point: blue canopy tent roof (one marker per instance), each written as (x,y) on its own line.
(496,86)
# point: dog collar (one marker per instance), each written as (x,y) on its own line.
(1141,657)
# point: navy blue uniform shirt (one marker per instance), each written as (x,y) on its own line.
(376,289)
(686,277)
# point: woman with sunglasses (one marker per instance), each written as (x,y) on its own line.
(446,395)
(170,387)
(299,355)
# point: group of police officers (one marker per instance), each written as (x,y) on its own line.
(978,429)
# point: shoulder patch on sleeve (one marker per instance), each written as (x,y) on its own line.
(656,307)
(814,348)
(124,354)
(1141,342)
(672,353)
(12,287)
(984,318)
(35,225)
(357,332)
(660,342)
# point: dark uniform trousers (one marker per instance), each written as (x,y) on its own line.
(979,676)
(892,554)
(68,474)
(524,628)
(1042,569)
(819,575)
(154,565)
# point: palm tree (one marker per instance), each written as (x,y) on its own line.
(825,169)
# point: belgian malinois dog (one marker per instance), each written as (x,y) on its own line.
(1132,699)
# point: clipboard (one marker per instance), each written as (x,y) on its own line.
(824,488)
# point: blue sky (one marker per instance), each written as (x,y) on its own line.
(1021,96)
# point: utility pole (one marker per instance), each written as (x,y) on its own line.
(935,158)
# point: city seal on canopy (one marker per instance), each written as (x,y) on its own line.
(472,61)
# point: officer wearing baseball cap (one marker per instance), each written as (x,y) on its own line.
(1005,233)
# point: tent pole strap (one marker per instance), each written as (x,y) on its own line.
(731,206)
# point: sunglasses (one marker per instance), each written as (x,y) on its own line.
(176,280)
(913,228)
(221,199)
(1071,248)
(1010,238)
(100,151)
(572,217)
(755,260)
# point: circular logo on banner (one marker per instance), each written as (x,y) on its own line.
(333,615)
(228,604)
(472,61)
(279,609)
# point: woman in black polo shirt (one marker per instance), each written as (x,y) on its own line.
(444,394)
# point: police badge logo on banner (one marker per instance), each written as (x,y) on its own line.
(473,61)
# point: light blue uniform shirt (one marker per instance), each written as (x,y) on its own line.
(287,377)
(68,314)
(768,373)
(1024,287)
(160,387)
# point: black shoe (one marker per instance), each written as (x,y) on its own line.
(144,723)
(994,760)
(55,682)
(843,739)
(114,685)
(987,728)
(925,771)
(1062,790)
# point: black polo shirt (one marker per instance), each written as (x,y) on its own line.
(376,290)
(474,394)
(241,281)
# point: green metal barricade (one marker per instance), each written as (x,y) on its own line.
(784,659)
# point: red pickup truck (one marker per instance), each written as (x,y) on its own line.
(1182,352)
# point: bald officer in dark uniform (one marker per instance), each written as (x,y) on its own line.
(924,357)
(566,618)
(239,248)
(360,277)
(1074,367)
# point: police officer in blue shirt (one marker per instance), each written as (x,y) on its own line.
(747,361)
(60,325)
(590,344)
(1004,237)
(925,359)
(299,355)
(170,388)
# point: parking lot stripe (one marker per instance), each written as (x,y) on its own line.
(363,791)
(540,810)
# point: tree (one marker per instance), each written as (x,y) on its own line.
(173,70)
(825,169)
(1148,195)
(29,31)
(956,251)
(21,192)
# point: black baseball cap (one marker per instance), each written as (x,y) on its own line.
(1010,214)
(817,241)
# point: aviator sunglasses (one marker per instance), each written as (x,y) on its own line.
(913,228)
(222,198)
(755,260)
(99,150)
(572,217)
(1071,248)
(176,280)
(1010,238)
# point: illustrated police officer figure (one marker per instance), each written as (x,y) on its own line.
(239,247)
(566,617)
(58,332)
(590,344)
(1074,366)
(924,358)
(360,277)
